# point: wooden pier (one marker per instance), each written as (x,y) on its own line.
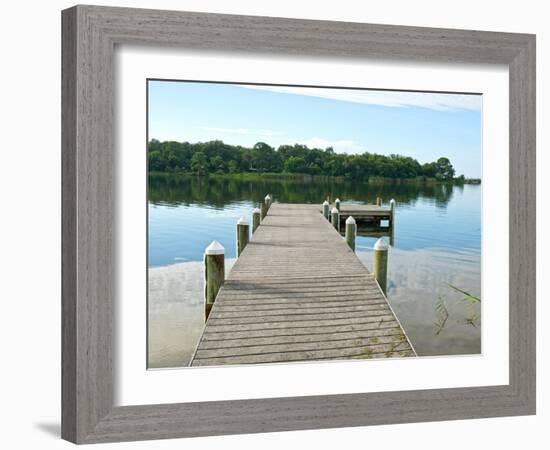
(299,293)
(365,214)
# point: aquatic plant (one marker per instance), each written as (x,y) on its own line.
(468,297)
(442,315)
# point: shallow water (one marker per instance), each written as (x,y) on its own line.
(436,242)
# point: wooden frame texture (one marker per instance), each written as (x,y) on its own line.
(90,34)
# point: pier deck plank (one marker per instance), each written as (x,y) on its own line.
(299,293)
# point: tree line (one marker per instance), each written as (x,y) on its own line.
(216,157)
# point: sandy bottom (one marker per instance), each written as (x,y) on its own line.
(175,312)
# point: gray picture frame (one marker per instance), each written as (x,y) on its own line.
(90,34)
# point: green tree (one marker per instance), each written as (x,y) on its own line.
(313,169)
(217,164)
(265,159)
(199,163)
(429,170)
(295,164)
(156,162)
(444,169)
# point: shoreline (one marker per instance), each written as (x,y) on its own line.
(267,176)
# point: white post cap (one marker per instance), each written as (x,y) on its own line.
(267,197)
(350,221)
(256,211)
(325,203)
(242,221)
(381,245)
(337,200)
(215,248)
(392,201)
(335,210)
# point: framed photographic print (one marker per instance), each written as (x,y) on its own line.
(278,224)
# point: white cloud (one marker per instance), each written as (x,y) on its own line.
(395,99)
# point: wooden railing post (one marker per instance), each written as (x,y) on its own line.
(242,235)
(255,219)
(335,218)
(337,204)
(380,263)
(351,231)
(214,274)
(326,210)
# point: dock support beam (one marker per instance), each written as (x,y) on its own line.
(335,218)
(326,210)
(242,235)
(380,264)
(392,209)
(351,231)
(337,204)
(214,274)
(255,219)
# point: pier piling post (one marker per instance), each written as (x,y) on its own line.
(392,209)
(255,219)
(378,201)
(337,204)
(335,218)
(214,274)
(263,210)
(242,235)
(380,264)
(351,231)
(267,201)
(326,210)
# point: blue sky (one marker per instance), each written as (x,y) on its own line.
(424,126)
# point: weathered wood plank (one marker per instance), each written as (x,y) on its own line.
(238,346)
(373,345)
(291,318)
(310,355)
(259,301)
(328,280)
(371,327)
(312,291)
(298,312)
(296,304)
(215,325)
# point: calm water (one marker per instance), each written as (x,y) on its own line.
(436,242)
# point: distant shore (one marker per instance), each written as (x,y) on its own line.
(268,176)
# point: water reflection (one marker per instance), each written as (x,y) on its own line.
(219,193)
(374,231)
